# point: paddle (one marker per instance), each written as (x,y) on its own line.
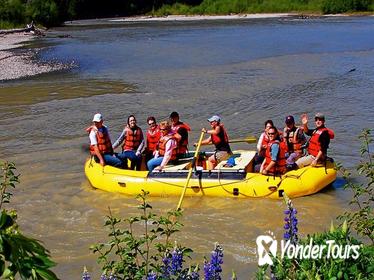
(248,139)
(190,170)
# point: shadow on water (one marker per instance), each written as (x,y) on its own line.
(41,90)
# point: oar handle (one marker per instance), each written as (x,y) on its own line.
(190,170)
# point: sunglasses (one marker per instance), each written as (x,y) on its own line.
(271,133)
(151,123)
(318,119)
(163,129)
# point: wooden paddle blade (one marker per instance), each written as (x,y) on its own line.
(249,140)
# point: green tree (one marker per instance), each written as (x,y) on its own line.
(44,12)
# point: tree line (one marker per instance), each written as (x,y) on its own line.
(54,12)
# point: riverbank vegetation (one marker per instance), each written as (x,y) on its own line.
(15,13)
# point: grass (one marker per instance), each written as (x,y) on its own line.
(10,25)
(225,7)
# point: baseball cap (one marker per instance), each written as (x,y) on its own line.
(174,115)
(214,118)
(319,116)
(97,118)
(289,120)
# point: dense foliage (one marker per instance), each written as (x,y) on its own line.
(20,256)
(139,247)
(54,12)
(361,219)
(136,247)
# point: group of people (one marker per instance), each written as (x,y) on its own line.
(167,142)
(164,143)
(281,151)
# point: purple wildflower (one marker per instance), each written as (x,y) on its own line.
(176,261)
(290,222)
(103,277)
(166,267)
(85,275)
(152,276)
(212,269)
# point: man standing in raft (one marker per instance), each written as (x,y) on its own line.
(318,143)
(101,145)
(180,131)
(219,138)
(295,139)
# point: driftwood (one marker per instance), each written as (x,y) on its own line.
(30,28)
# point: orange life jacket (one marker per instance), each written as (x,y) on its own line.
(314,144)
(152,139)
(133,138)
(162,147)
(221,140)
(104,144)
(294,140)
(183,143)
(280,165)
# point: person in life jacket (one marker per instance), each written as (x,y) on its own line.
(100,143)
(262,144)
(133,144)
(153,135)
(318,142)
(275,155)
(166,149)
(294,139)
(180,130)
(218,137)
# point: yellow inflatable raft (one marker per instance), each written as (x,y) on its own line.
(236,181)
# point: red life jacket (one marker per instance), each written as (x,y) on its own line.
(162,147)
(103,141)
(294,140)
(183,143)
(280,165)
(152,139)
(221,140)
(133,138)
(314,144)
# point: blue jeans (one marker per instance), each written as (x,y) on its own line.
(110,160)
(135,160)
(152,163)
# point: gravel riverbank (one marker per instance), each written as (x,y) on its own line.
(21,64)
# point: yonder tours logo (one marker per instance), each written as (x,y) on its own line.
(267,247)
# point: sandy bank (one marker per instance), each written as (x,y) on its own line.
(20,64)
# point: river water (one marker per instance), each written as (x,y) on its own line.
(246,71)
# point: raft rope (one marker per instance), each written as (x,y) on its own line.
(222,185)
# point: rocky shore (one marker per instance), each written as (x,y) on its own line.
(15,64)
